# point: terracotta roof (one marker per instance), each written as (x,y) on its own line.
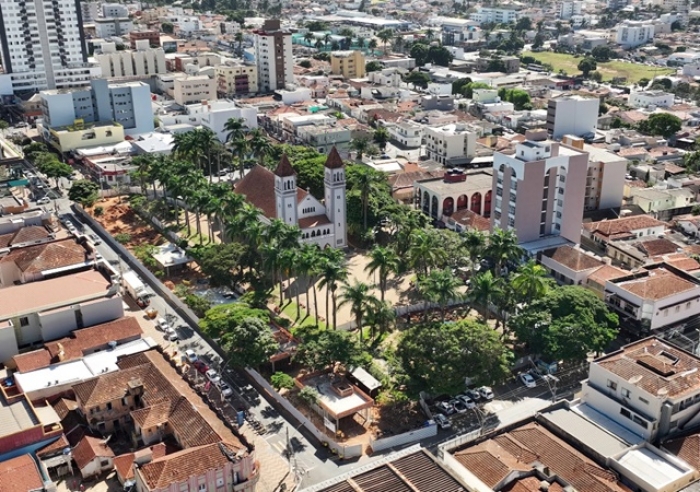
(178,467)
(686,448)
(54,448)
(30,361)
(90,448)
(284,168)
(682,262)
(64,406)
(573,258)
(656,367)
(605,273)
(152,416)
(87,340)
(493,460)
(20,475)
(314,221)
(658,284)
(622,226)
(258,187)
(47,256)
(24,235)
(334,161)
(123,464)
(471,220)
(656,247)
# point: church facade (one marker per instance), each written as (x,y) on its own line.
(277,196)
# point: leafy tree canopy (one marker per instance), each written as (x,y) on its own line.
(249,343)
(220,319)
(84,192)
(373,66)
(439,357)
(321,349)
(218,261)
(663,124)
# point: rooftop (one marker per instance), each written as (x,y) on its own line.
(20,474)
(624,226)
(655,367)
(480,180)
(47,256)
(656,284)
(47,294)
(90,448)
(337,395)
(573,258)
(26,234)
(16,417)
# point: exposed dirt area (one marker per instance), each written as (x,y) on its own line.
(119,218)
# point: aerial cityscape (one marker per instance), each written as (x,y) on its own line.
(357,246)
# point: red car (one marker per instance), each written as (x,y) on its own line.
(201,367)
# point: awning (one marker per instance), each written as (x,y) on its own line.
(366,379)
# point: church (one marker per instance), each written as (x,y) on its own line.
(276,194)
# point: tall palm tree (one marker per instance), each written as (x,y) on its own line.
(384,262)
(359,297)
(372,45)
(381,137)
(483,291)
(327,38)
(143,164)
(333,273)
(430,34)
(360,43)
(531,282)
(442,287)
(240,148)
(365,182)
(235,128)
(425,251)
(503,248)
(474,242)
(381,315)
(398,43)
(308,37)
(385,35)
(310,264)
(260,145)
(359,145)
(238,37)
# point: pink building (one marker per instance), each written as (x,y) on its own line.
(540,190)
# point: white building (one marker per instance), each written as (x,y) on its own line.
(273,55)
(194,89)
(450,144)
(644,99)
(215,114)
(114,10)
(391,77)
(570,8)
(485,15)
(43,46)
(406,133)
(113,26)
(128,104)
(605,179)
(189,25)
(634,33)
(572,115)
(143,62)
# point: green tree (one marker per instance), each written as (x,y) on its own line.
(219,261)
(198,304)
(85,192)
(503,248)
(359,145)
(417,79)
(468,90)
(531,282)
(567,324)
(425,251)
(381,137)
(364,182)
(385,35)
(360,299)
(56,169)
(373,66)
(438,357)
(322,349)
(309,395)
(219,319)
(34,148)
(419,52)
(167,27)
(519,98)
(249,343)
(602,53)
(383,262)
(333,272)
(664,124)
(587,65)
(441,286)
(485,290)
(281,380)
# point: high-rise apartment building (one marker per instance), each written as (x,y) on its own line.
(540,190)
(142,62)
(42,45)
(273,55)
(572,115)
(236,78)
(350,64)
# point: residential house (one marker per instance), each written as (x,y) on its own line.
(93,457)
(602,232)
(570,265)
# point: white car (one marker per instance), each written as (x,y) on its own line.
(43,201)
(486,393)
(226,390)
(528,380)
(162,325)
(191,356)
(171,335)
(446,407)
(213,376)
(468,402)
(441,421)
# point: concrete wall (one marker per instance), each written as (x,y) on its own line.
(8,344)
(405,438)
(58,323)
(97,312)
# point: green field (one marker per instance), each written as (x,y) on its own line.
(633,72)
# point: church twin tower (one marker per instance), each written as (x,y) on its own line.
(322,224)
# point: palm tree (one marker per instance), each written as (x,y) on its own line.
(425,251)
(235,128)
(360,42)
(310,264)
(381,137)
(359,145)
(383,261)
(240,147)
(319,44)
(308,37)
(327,38)
(142,173)
(483,291)
(474,242)
(531,282)
(441,286)
(366,182)
(260,145)
(385,35)
(333,273)
(381,315)
(359,297)
(347,42)
(503,248)
(430,34)
(372,45)
(238,37)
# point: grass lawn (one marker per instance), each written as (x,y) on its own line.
(289,309)
(633,72)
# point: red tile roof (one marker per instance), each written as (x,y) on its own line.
(123,464)
(314,221)
(334,160)
(90,448)
(20,475)
(64,406)
(55,447)
(471,220)
(26,234)
(658,284)
(29,361)
(258,187)
(87,340)
(284,168)
(686,448)
(573,258)
(47,256)
(608,229)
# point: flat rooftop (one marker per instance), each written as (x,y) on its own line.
(339,406)
(16,417)
(170,255)
(654,468)
(481,180)
(48,294)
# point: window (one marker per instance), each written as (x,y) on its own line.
(202,487)
(109,405)
(625,413)
(24,321)
(612,385)
(644,400)
(625,393)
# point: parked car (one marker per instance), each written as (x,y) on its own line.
(442,421)
(474,395)
(486,393)
(213,376)
(527,380)
(459,406)
(226,390)
(171,334)
(191,356)
(468,402)
(162,325)
(201,367)
(446,407)
(95,239)
(43,201)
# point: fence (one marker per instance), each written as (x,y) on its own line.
(429,430)
(456,442)
(340,449)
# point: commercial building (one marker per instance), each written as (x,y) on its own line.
(406,133)
(113,26)
(451,144)
(540,190)
(570,8)
(236,78)
(42,46)
(644,99)
(80,135)
(572,115)
(153,38)
(631,34)
(350,64)
(215,114)
(194,89)
(456,191)
(484,15)
(273,55)
(141,63)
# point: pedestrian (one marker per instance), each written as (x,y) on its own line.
(82,488)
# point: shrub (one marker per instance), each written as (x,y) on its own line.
(123,237)
(309,395)
(99,211)
(199,305)
(281,380)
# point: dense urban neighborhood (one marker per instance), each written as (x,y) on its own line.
(357,246)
